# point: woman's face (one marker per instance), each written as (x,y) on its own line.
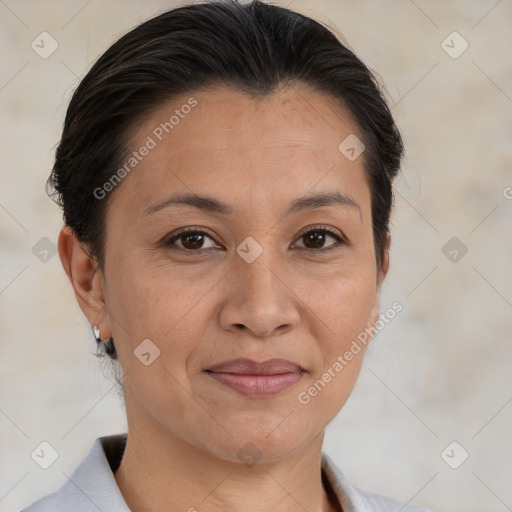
(261,280)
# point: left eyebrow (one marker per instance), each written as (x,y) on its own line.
(211,205)
(312,201)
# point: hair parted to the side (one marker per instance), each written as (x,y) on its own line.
(253,47)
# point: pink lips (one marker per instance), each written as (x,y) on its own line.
(257,379)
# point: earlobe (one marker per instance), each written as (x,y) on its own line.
(85,277)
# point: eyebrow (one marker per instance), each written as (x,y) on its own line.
(210,205)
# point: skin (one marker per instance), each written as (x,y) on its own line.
(293,302)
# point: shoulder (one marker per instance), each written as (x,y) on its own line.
(353,499)
(91,486)
(77,497)
(46,504)
(377,502)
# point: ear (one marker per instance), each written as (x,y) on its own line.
(381,274)
(86,278)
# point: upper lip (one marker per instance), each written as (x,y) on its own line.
(249,367)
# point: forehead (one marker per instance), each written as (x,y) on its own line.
(227,143)
(225,118)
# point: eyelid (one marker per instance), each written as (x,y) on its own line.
(321,227)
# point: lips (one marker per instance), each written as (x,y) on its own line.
(244,366)
(257,380)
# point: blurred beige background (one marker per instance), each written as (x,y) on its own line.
(439,372)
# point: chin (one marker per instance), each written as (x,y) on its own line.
(250,446)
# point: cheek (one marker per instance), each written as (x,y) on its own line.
(325,393)
(341,306)
(149,302)
(340,302)
(160,307)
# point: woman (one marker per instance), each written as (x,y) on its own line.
(226,174)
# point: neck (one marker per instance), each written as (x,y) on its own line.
(161,472)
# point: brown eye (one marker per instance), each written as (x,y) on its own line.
(191,240)
(316,238)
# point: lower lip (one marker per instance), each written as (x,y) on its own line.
(257,385)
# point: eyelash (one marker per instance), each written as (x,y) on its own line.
(316,229)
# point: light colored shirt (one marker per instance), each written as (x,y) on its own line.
(93,488)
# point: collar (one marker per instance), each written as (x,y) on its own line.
(92,486)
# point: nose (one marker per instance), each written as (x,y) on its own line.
(259,298)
